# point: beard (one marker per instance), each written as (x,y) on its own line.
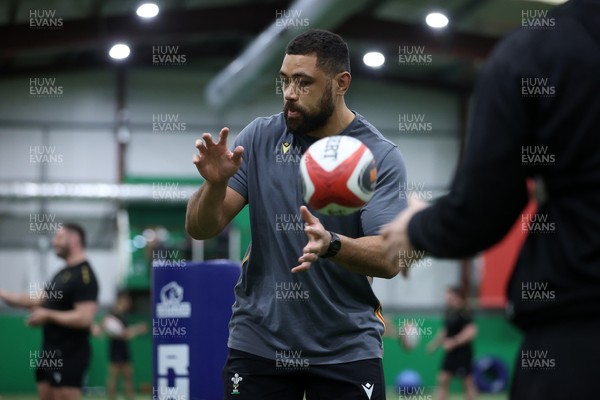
(62,251)
(308,122)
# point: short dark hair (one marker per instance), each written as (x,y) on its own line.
(458,291)
(78,229)
(123,293)
(330,49)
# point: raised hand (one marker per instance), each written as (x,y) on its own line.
(318,240)
(215,162)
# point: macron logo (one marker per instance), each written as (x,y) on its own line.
(368,388)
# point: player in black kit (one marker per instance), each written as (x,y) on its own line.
(64,308)
(118,348)
(456,338)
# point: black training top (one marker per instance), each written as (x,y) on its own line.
(454,322)
(118,349)
(537,114)
(69,286)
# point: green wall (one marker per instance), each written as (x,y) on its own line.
(19,340)
(496,337)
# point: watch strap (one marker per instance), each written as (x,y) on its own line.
(334,246)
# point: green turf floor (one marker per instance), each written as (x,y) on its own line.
(390,396)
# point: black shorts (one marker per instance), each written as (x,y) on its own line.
(119,358)
(558,362)
(118,351)
(246,376)
(63,367)
(458,362)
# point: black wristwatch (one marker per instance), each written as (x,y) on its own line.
(334,246)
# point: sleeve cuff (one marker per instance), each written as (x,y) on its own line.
(238,188)
(415,231)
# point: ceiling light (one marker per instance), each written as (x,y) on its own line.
(436,20)
(147,10)
(374,59)
(119,51)
(553,2)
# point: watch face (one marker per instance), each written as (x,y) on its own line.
(334,246)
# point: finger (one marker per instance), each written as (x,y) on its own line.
(394,261)
(302,267)
(237,154)
(404,271)
(307,216)
(208,140)
(200,146)
(405,267)
(196,159)
(310,249)
(223,136)
(317,230)
(313,232)
(308,257)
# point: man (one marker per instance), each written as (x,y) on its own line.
(118,349)
(456,337)
(537,95)
(65,309)
(305,317)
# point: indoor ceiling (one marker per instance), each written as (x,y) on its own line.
(214,32)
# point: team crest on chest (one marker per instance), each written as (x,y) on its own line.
(287,153)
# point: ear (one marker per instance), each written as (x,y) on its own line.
(73,239)
(342,81)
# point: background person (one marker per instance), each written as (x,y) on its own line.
(119,355)
(456,338)
(65,310)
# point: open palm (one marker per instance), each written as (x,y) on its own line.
(215,162)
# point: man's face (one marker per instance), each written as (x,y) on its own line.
(453,300)
(124,303)
(62,243)
(307,94)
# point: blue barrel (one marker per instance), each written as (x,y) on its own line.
(408,382)
(490,374)
(191,308)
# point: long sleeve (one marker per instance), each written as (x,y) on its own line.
(489,189)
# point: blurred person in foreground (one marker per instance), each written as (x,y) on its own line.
(65,310)
(456,338)
(537,115)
